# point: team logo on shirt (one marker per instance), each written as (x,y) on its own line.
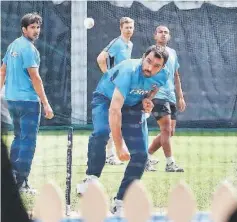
(141,92)
(14,54)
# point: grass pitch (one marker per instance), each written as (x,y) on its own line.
(207,158)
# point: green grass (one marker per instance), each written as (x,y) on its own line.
(207,160)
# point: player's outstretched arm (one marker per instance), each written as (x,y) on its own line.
(3,75)
(39,88)
(101,60)
(179,91)
(115,122)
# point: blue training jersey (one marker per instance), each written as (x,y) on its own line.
(130,81)
(118,51)
(167,92)
(21,54)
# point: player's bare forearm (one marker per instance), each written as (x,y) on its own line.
(181,102)
(152,93)
(178,86)
(2,81)
(101,60)
(39,88)
(103,66)
(3,75)
(147,102)
(38,85)
(115,119)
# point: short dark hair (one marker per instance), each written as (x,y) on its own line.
(31,18)
(159,52)
(126,20)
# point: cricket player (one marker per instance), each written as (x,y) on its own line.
(117,107)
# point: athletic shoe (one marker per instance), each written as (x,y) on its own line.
(173,168)
(117,207)
(81,187)
(113,160)
(149,167)
(153,161)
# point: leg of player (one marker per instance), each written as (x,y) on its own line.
(155,145)
(135,134)
(97,142)
(111,157)
(15,146)
(29,114)
(167,127)
(165,114)
(171,166)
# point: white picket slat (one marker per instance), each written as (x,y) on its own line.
(224,203)
(181,204)
(49,204)
(94,203)
(137,207)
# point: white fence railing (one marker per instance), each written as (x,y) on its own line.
(49,205)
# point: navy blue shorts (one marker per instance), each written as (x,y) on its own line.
(163,108)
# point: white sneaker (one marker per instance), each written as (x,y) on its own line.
(149,167)
(117,208)
(25,188)
(173,167)
(113,160)
(153,161)
(81,187)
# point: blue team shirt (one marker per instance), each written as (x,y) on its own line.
(167,92)
(21,54)
(130,81)
(118,51)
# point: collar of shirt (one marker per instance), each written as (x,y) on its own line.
(23,37)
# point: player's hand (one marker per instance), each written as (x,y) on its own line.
(123,154)
(147,105)
(181,104)
(48,111)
